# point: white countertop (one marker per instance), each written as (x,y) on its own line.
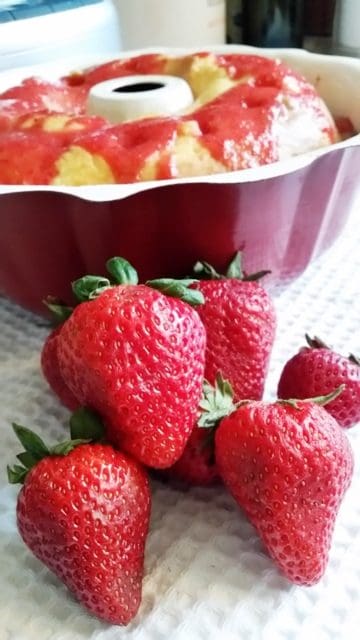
(207,575)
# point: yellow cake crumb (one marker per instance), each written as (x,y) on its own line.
(79,167)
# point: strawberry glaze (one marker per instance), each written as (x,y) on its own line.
(237,127)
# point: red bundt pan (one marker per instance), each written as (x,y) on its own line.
(282,216)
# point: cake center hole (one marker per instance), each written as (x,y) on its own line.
(139,86)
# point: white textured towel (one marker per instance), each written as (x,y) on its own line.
(207,576)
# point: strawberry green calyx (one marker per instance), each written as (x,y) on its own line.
(59,310)
(122,271)
(206,271)
(178,289)
(235,268)
(315,342)
(85,423)
(234,271)
(35,450)
(320,400)
(90,287)
(85,428)
(216,403)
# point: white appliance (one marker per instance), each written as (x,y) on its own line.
(37,31)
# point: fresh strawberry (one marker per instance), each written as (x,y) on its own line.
(49,359)
(136,356)
(288,465)
(239,319)
(84,512)
(316,370)
(197,464)
(51,371)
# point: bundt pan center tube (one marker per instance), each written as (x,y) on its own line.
(281,215)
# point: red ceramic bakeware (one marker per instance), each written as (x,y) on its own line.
(281,215)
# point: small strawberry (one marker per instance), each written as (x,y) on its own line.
(316,370)
(49,358)
(136,356)
(197,464)
(239,319)
(84,512)
(51,371)
(288,465)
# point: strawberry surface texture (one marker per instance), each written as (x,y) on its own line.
(137,357)
(51,371)
(288,468)
(197,464)
(318,370)
(85,515)
(240,322)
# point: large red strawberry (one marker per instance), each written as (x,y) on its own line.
(316,370)
(136,356)
(288,465)
(239,318)
(84,512)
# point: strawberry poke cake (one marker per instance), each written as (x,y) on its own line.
(247,111)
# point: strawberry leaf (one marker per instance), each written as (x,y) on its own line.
(60,311)
(178,289)
(86,424)
(63,448)
(85,427)
(235,269)
(206,271)
(122,271)
(89,287)
(16,474)
(254,277)
(31,442)
(315,342)
(320,400)
(27,459)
